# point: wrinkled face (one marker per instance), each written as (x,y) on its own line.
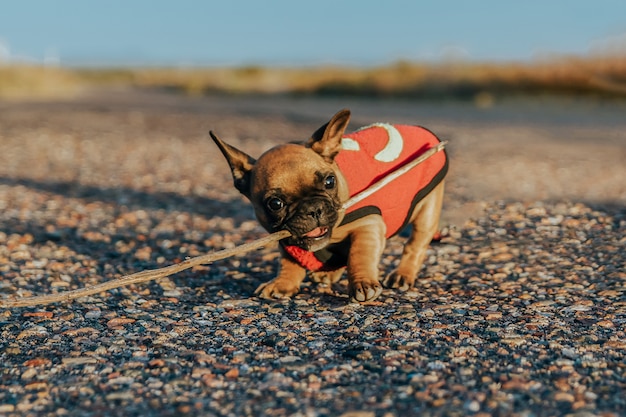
(294,188)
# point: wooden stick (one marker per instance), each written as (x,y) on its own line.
(152,274)
(145,276)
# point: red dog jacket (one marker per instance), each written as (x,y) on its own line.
(368,155)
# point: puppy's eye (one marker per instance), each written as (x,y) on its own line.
(330,182)
(275,204)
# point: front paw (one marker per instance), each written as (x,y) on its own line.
(277,289)
(398,280)
(327,277)
(365,290)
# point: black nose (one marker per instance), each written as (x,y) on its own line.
(313,209)
(316,213)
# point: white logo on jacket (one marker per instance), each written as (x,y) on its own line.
(389,153)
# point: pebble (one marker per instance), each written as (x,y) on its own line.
(119,321)
(35,331)
(29,373)
(80,360)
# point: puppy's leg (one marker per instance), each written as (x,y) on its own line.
(327,277)
(425,221)
(366,249)
(286,284)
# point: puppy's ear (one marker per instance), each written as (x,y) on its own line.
(326,140)
(240,164)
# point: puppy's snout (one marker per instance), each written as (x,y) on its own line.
(316,213)
(312,213)
(313,210)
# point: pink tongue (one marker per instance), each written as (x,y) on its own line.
(317,232)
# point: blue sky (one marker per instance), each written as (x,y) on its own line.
(281,32)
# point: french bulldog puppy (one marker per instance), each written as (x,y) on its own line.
(301,187)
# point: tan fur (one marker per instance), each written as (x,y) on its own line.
(291,169)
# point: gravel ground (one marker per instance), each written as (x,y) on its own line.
(520,309)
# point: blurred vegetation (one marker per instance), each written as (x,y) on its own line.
(599,76)
(36,81)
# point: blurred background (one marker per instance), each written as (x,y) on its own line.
(530,94)
(459,49)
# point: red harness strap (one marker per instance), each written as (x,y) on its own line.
(306,259)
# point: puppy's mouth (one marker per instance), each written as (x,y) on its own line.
(312,240)
(311,223)
(318,233)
